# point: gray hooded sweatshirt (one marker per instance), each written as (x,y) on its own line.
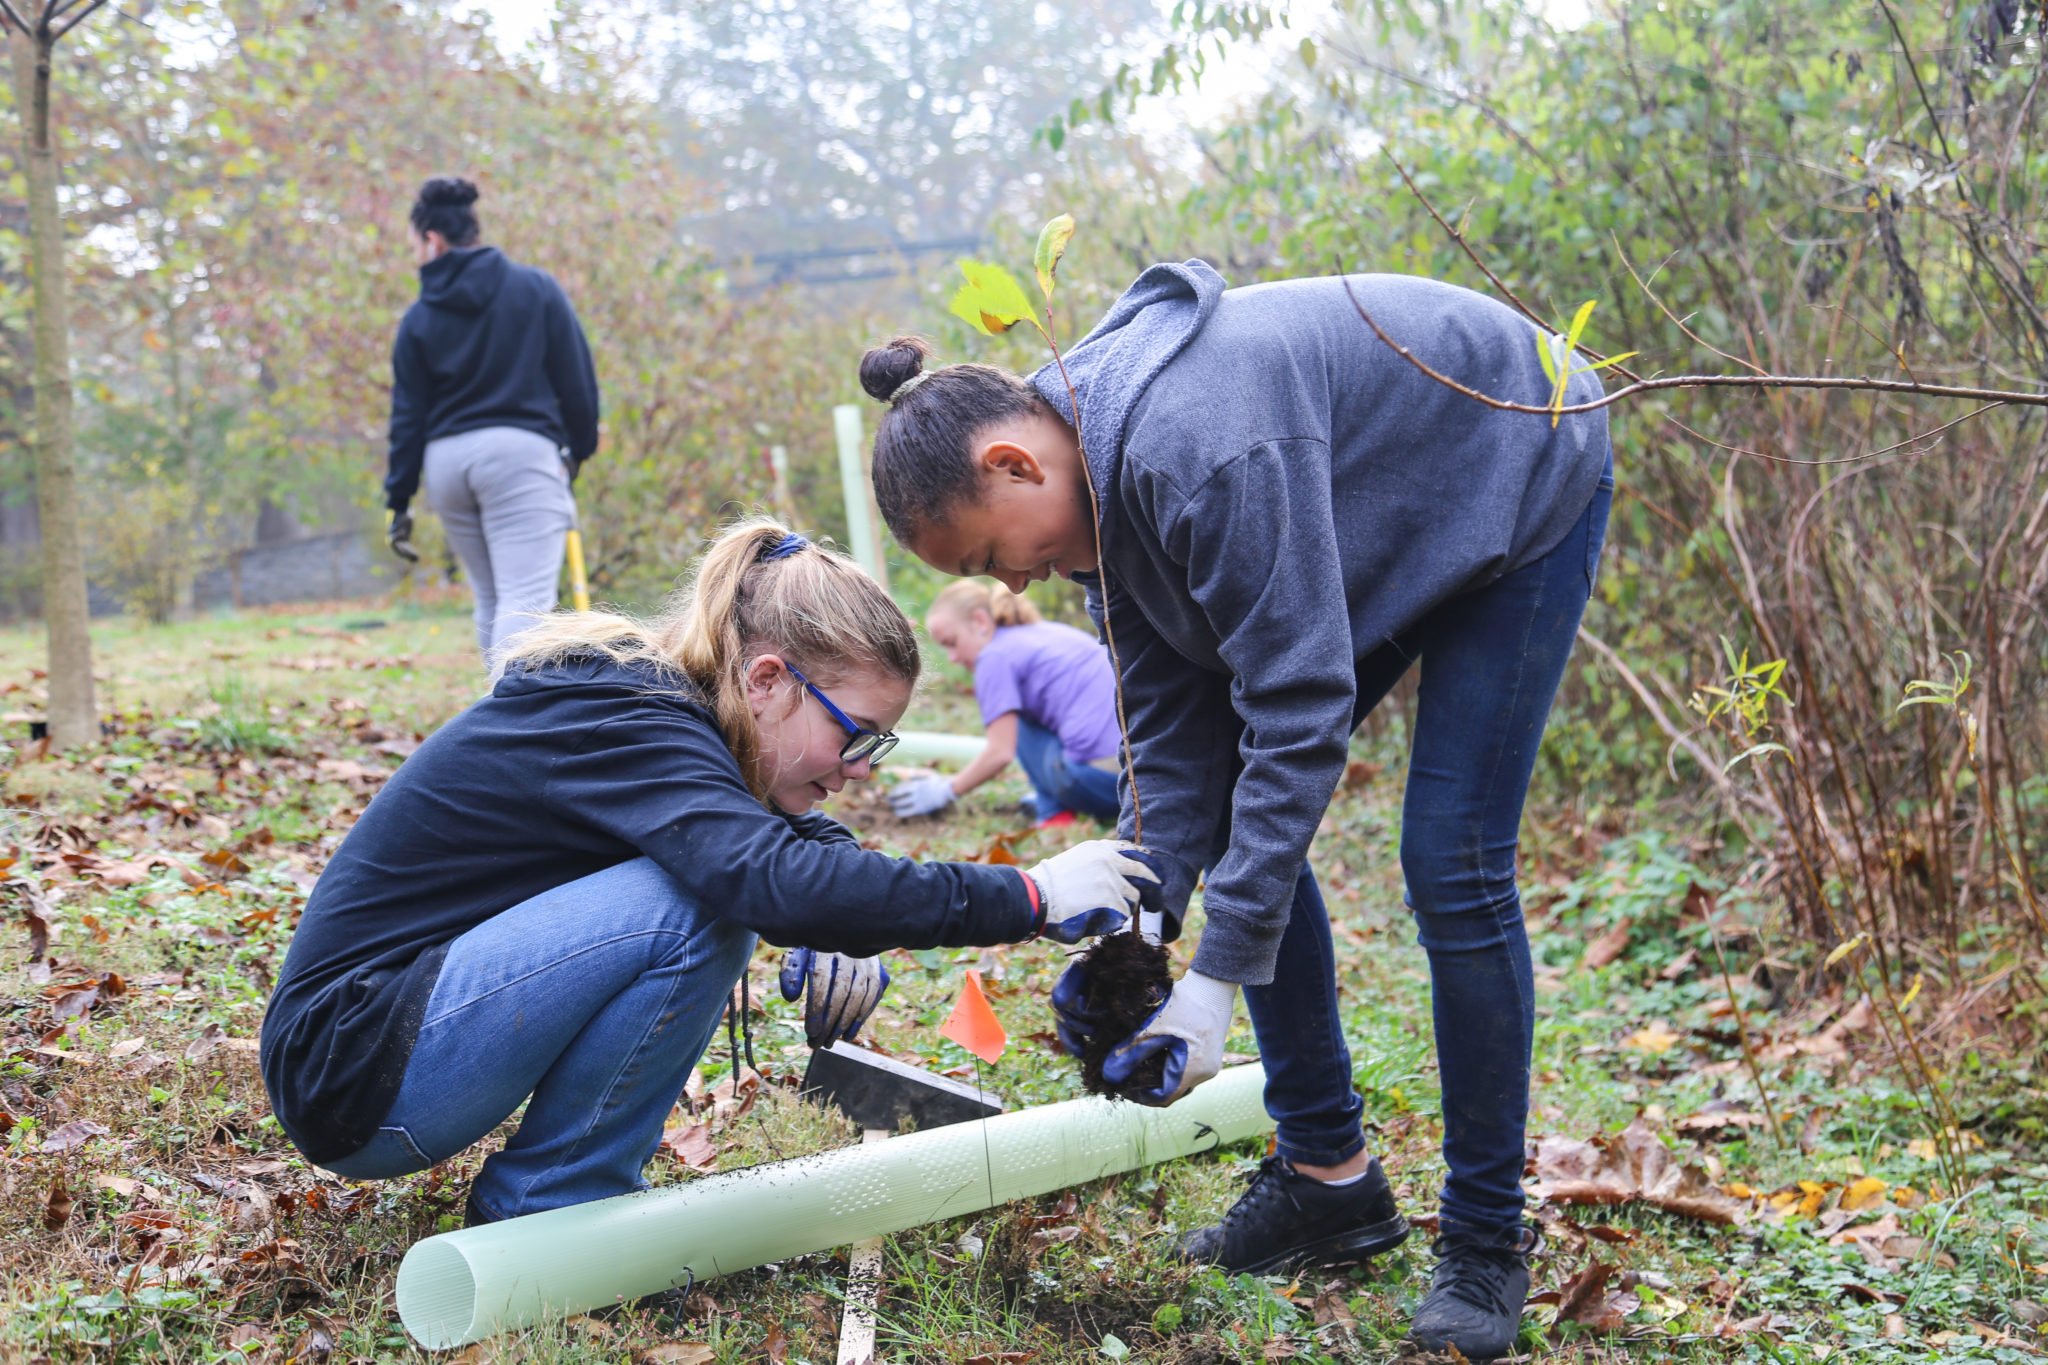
(1281,494)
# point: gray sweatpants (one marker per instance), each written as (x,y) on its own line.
(502,493)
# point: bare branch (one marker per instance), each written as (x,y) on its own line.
(1492,115)
(1484,269)
(8,14)
(77,19)
(1914,439)
(1676,321)
(1994,397)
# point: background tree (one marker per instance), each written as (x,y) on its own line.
(32,33)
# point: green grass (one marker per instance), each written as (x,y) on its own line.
(193,1226)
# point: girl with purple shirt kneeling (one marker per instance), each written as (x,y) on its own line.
(1047,698)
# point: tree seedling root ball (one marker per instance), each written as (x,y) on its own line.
(1128,978)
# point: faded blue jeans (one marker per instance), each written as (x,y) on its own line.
(594,999)
(1057,782)
(1491,663)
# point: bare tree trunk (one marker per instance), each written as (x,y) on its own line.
(73,718)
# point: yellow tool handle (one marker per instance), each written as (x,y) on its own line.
(579,586)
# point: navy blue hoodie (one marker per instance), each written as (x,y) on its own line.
(1281,494)
(561,772)
(489,343)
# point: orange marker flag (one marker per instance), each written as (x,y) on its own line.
(973,1024)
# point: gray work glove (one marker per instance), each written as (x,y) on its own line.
(843,991)
(1189,1029)
(1092,888)
(927,794)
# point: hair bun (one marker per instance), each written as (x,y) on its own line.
(448,190)
(886,368)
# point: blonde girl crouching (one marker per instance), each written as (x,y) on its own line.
(550,902)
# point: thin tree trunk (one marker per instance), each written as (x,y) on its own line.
(73,718)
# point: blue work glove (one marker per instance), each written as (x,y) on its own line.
(927,794)
(843,991)
(1092,888)
(1073,1019)
(1188,1029)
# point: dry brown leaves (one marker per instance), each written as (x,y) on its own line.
(1633,1166)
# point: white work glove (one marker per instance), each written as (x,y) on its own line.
(1188,1029)
(1092,888)
(926,794)
(843,991)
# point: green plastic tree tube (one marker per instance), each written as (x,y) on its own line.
(464,1286)
(929,746)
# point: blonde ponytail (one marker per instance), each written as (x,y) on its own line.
(966,596)
(813,606)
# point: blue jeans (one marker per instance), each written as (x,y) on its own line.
(594,999)
(1058,783)
(1491,663)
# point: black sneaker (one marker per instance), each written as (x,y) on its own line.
(1476,1295)
(1287,1218)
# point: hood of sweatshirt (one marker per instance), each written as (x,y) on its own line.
(465,280)
(1114,364)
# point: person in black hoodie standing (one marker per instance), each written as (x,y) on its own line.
(494,400)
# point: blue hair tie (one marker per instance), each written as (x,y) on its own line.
(786,547)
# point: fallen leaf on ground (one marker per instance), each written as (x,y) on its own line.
(247,1334)
(1719,1116)
(57,1208)
(1863,1193)
(692,1146)
(1606,948)
(1654,1039)
(1585,1299)
(674,1353)
(1631,1166)
(76,1133)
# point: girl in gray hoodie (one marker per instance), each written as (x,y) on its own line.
(1290,515)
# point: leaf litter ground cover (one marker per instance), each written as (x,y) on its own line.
(148,889)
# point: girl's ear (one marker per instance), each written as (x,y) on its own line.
(769,686)
(1007,459)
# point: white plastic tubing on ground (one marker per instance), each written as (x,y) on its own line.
(464,1286)
(925,746)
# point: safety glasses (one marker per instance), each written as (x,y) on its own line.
(862,743)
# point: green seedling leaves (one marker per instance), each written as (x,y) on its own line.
(1052,245)
(1555,350)
(991,302)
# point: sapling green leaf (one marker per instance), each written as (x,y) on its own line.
(1543,340)
(991,301)
(1555,350)
(1052,245)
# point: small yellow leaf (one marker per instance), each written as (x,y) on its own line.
(1922,1148)
(1919,980)
(1739,1190)
(1842,950)
(1655,1040)
(1863,1193)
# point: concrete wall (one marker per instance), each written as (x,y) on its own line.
(312,569)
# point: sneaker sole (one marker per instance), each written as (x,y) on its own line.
(1337,1249)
